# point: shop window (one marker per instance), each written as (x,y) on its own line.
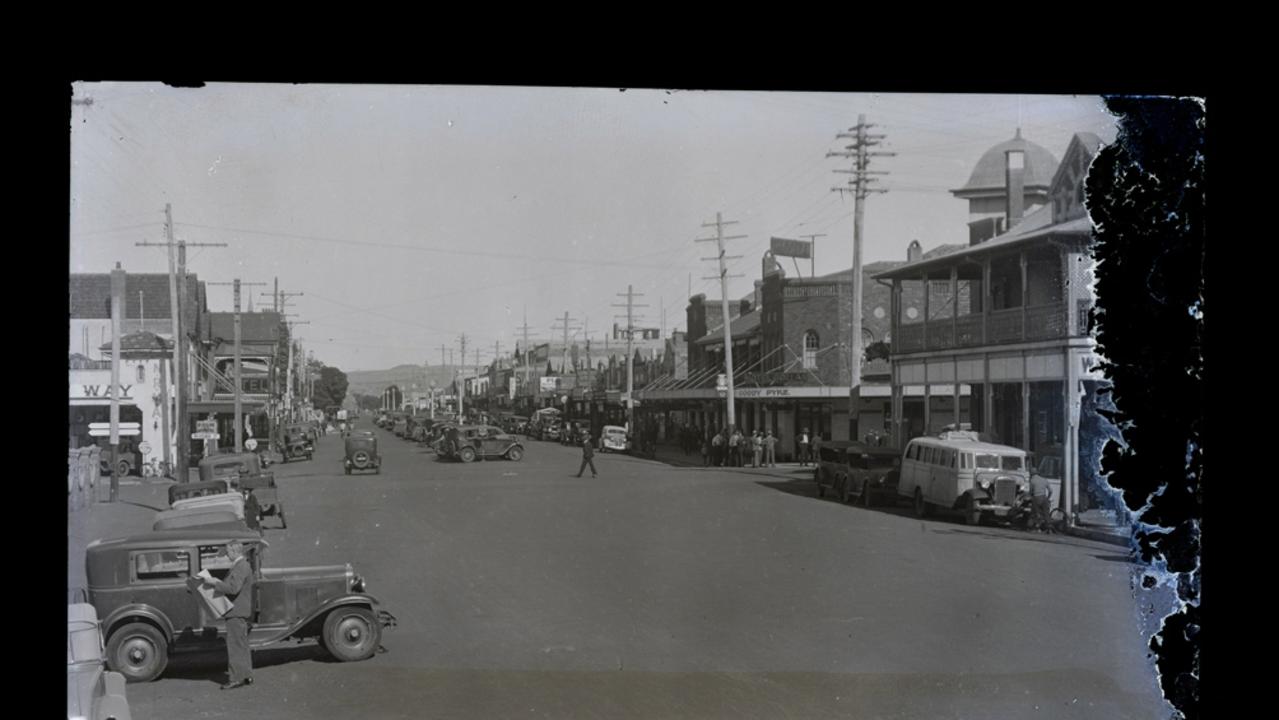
(811,343)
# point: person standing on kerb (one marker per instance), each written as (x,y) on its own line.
(238,588)
(588,456)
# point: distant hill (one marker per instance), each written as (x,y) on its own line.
(373,382)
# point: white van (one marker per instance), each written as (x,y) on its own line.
(956,471)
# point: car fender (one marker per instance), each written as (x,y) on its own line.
(128,613)
(355,599)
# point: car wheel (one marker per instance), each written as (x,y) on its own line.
(515,454)
(348,470)
(972,516)
(821,489)
(467,454)
(123,468)
(865,496)
(138,652)
(845,490)
(352,633)
(921,507)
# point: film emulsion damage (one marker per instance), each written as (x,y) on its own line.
(1146,199)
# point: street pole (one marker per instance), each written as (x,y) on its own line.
(723,289)
(457,381)
(117,311)
(239,426)
(180,353)
(860,153)
(630,353)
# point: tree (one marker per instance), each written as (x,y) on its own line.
(330,387)
(368,402)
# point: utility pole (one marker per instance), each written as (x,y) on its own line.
(527,361)
(723,289)
(630,352)
(812,253)
(288,369)
(565,328)
(239,423)
(117,319)
(177,296)
(859,151)
(457,381)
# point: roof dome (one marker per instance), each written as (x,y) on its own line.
(1041,166)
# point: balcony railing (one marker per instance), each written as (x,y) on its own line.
(1012,325)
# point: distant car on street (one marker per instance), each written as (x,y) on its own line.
(481,441)
(139,585)
(613,439)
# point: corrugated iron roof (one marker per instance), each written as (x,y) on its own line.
(1025,231)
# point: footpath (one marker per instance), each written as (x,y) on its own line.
(1091,525)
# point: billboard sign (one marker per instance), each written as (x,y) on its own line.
(548,384)
(783,247)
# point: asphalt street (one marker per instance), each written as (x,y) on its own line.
(661,592)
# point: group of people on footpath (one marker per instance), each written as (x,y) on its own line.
(730,447)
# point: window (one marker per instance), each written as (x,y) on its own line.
(928,455)
(142,373)
(811,343)
(161,564)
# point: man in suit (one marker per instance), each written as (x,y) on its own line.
(588,456)
(238,588)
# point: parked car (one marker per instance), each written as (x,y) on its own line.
(139,586)
(851,469)
(206,517)
(613,438)
(486,441)
(550,430)
(296,442)
(93,692)
(242,472)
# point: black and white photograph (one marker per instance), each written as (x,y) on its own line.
(507,401)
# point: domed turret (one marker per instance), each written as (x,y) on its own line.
(992,209)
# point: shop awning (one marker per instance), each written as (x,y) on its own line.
(201,407)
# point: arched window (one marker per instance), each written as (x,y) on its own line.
(810,350)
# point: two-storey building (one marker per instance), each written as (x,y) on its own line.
(1004,322)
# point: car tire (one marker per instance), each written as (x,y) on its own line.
(516,454)
(351,634)
(348,470)
(972,516)
(921,507)
(865,496)
(138,651)
(845,490)
(467,454)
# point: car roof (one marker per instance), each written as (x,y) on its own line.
(184,536)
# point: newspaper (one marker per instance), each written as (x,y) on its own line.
(216,601)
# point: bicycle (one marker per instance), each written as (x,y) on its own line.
(155,468)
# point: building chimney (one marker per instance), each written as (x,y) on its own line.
(759,293)
(914,252)
(1015,168)
(745,308)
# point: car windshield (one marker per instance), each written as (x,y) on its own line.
(990,461)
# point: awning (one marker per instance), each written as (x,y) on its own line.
(201,407)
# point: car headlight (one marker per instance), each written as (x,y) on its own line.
(358,585)
(984,484)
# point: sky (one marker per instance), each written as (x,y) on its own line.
(407,216)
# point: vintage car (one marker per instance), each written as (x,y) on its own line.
(242,472)
(851,469)
(93,692)
(613,438)
(208,517)
(361,453)
(550,430)
(296,442)
(517,425)
(141,586)
(401,426)
(480,441)
(958,472)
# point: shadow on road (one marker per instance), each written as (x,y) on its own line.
(211,665)
(996,533)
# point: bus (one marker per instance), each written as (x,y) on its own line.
(955,471)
